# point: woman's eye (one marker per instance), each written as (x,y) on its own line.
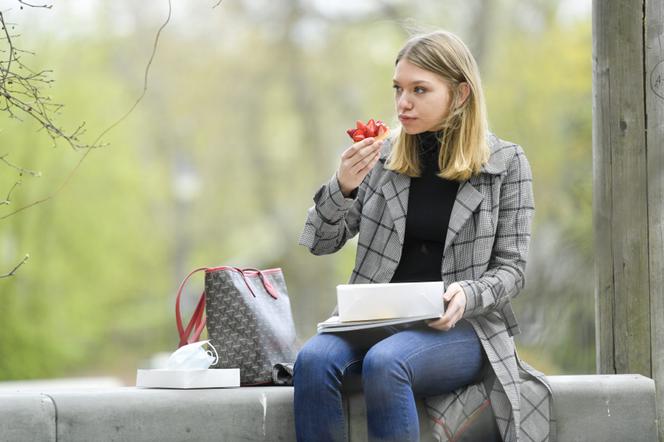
(419,90)
(397,89)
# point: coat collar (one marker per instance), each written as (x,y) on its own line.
(396,189)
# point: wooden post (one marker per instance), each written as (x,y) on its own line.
(654,64)
(628,180)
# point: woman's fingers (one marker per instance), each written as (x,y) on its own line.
(370,165)
(362,156)
(365,164)
(355,148)
(453,313)
(356,162)
(451,291)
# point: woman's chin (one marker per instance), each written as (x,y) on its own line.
(413,131)
(410,130)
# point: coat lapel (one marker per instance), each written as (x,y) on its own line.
(395,190)
(397,186)
(468,197)
(467,200)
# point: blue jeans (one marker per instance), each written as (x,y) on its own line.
(396,365)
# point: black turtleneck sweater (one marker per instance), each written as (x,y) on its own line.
(430,202)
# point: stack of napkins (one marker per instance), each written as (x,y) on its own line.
(374,305)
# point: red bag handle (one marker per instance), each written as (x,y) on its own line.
(268,286)
(197,322)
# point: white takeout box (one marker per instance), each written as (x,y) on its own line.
(363,302)
(199,378)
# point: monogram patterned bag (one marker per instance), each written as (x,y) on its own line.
(249,320)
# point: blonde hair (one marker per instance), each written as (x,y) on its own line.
(463,145)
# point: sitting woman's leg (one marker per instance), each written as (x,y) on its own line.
(416,362)
(318,373)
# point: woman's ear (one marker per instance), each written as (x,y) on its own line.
(464,93)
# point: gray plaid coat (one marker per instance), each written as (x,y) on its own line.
(485,252)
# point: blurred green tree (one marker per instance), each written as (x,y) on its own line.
(245,118)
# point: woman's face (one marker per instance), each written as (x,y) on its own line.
(422,98)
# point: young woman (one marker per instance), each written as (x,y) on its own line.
(442,199)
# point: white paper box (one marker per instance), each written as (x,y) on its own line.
(362,302)
(204,378)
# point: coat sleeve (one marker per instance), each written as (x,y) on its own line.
(505,275)
(333,219)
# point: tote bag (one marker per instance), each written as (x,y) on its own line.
(249,320)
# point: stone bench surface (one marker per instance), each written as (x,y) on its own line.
(588,408)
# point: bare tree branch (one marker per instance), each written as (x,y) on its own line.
(8,200)
(145,77)
(7,275)
(20,170)
(105,131)
(34,6)
(21,92)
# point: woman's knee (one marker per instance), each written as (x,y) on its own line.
(383,363)
(321,355)
(310,356)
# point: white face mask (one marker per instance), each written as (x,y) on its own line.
(192,357)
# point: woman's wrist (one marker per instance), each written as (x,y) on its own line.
(346,192)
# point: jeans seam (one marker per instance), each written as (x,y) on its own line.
(343,370)
(344,401)
(407,362)
(409,357)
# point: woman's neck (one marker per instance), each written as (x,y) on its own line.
(429,141)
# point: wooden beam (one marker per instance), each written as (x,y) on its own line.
(620,189)
(654,82)
(628,179)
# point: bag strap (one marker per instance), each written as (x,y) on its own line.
(197,322)
(244,278)
(269,288)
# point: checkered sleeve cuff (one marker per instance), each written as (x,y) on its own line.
(331,204)
(473,298)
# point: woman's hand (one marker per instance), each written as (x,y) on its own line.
(356,162)
(456,305)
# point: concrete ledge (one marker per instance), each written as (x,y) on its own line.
(137,415)
(27,417)
(605,407)
(608,408)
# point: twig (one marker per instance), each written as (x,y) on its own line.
(8,200)
(109,128)
(145,78)
(20,92)
(7,275)
(23,2)
(21,170)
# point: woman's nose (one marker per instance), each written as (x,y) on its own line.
(403,103)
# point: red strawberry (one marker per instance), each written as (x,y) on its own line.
(373,128)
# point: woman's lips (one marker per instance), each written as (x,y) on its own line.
(406,118)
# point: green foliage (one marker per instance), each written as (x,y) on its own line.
(539,95)
(255,110)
